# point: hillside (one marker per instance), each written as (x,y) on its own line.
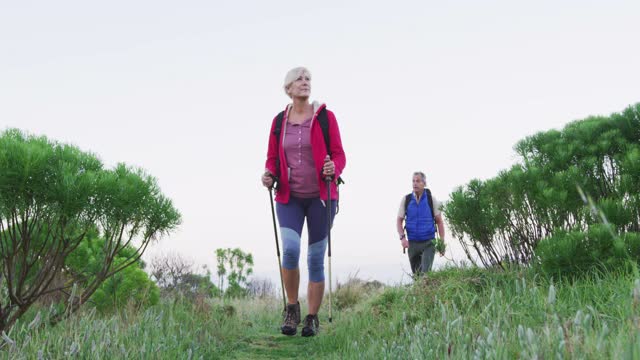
(454,313)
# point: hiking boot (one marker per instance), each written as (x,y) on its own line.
(311,325)
(291,319)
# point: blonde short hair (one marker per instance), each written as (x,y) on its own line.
(292,75)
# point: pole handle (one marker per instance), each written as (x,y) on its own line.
(276,182)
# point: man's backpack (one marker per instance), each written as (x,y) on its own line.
(407,200)
(324,125)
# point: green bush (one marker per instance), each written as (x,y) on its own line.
(565,180)
(577,253)
(53,196)
(131,286)
(391,298)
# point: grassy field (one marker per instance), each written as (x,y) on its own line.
(454,313)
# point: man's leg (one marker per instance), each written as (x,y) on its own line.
(427,256)
(415,256)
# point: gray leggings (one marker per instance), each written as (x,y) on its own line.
(421,254)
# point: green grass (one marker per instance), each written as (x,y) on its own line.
(454,313)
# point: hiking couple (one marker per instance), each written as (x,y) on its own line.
(304,161)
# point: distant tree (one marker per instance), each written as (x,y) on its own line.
(199,284)
(51,196)
(168,270)
(174,274)
(260,288)
(238,265)
(221,257)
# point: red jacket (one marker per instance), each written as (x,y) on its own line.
(318,149)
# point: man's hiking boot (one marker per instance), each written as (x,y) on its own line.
(311,325)
(291,319)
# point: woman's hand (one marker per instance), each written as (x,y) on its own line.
(329,168)
(267,179)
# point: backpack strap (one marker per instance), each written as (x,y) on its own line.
(324,125)
(433,212)
(276,132)
(278,128)
(407,200)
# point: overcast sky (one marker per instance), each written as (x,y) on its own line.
(187,90)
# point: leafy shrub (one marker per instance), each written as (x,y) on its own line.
(131,286)
(52,197)
(577,253)
(502,220)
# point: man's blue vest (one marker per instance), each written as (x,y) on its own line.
(419,222)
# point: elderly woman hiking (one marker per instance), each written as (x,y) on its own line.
(300,159)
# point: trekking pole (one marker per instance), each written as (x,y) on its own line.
(328,182)
(275,232)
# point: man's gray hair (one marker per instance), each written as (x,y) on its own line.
(422,176)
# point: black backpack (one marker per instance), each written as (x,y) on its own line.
(407,200)
(324,125)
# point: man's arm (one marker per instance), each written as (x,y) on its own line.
(401,235)
(400,227)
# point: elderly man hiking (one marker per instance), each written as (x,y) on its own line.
(420,212)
